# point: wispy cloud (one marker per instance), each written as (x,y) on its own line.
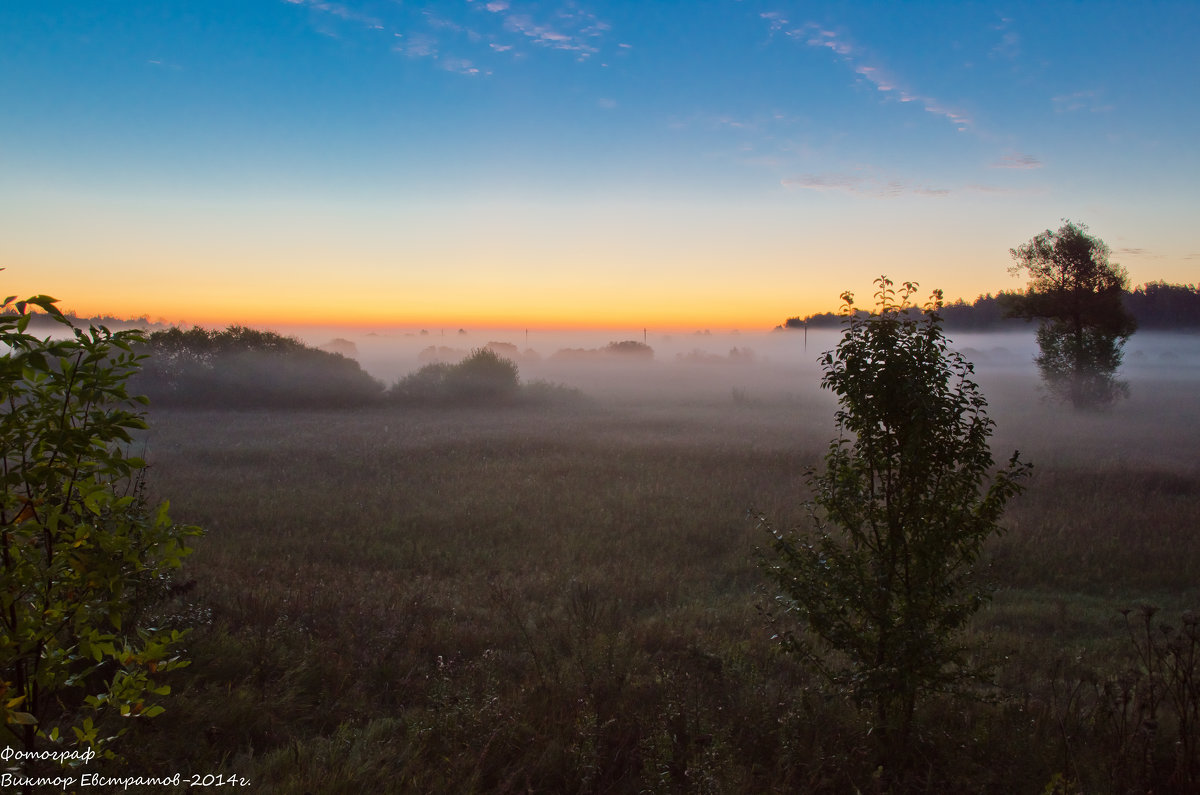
(995,190)
(873,75)
(769,126)
(814,35)
(441,23)
(1016,160)
(1080,100)
(571,29)
(467,38)
(733,123)
(775,20)
(1009,46)
(860,185)
(874,185)
(459,66)
(1140,252)
(340,11)
(419,45)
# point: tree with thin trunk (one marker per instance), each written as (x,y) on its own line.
(882,586)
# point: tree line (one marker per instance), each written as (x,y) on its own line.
(1156,306)
(244,368)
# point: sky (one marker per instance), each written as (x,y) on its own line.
(563,164)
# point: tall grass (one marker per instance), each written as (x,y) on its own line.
(567,601)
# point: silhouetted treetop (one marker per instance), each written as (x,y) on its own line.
(1071,280)
(630,348)
(985,313)
(1155,305)
(244,367)
(627,350)
(1078,295)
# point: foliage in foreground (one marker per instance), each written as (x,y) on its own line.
(883,589)
(82,554)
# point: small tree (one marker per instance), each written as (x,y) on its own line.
(1077,293)
(883,587)
(80,550)
(482,377)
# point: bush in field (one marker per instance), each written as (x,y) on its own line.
(484,374)
(482,377)
(81,552)
(629,348)
(242,368)
(882,589)
(426,385)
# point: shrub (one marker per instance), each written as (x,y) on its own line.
(80,550)
(631,348)
(426,385)
(483,376)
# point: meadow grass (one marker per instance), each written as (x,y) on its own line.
(567,599)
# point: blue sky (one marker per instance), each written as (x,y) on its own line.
(565,163)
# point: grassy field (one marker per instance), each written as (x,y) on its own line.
(567,599)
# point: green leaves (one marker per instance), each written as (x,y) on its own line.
(882,589)
(80,549)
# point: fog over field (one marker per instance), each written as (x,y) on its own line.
(1156,425)
(704,364)
(572,584)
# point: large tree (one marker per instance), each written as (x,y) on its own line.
(1077,292)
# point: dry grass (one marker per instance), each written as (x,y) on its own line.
(565,600)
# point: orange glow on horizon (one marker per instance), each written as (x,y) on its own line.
(684,319)
(531,315)
(664,296)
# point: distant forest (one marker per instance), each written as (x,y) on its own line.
(1157,306)
(44,321)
